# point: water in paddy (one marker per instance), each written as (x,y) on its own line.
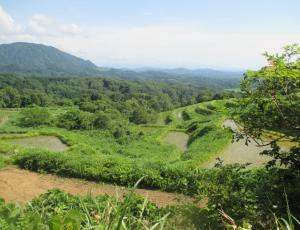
(179,114)
(179,139)
(238,152)
(45,142)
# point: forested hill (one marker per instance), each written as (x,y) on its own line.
(37,59)
(44,61)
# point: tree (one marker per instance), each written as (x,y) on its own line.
(101,121)
(271,101)
(10,98)
(31,98)
(35,117)
(142,116)
(75,119)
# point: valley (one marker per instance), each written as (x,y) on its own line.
(84,147)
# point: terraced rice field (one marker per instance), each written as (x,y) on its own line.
(239,152)
(179,139)
(50,143)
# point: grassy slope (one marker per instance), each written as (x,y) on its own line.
(204,147)
(95,155)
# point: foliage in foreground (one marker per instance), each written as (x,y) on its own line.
(59,210)
(236,197)
(251,196)
(271,101)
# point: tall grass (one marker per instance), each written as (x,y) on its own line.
(288,223)
(58,210)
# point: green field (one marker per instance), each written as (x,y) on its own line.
(96,155)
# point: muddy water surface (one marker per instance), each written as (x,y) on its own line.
(45,142)
(239,152)
(179,139)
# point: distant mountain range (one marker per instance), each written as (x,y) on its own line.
(204,72)
(41,60)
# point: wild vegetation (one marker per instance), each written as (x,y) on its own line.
(114,130)
(103,212)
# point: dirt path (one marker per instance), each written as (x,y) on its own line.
(22,186)
(179,139)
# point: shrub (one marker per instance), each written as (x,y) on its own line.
(211,107)
(252,196)
(199,133)
(186,116)
(101,121)
(59,210)
(142,116)
(168,120)
(203,111)
(230,104)
(35,117)
(75,119)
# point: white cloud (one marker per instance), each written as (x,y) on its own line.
(42,25)
(7,24)
(175,45)
(167,45)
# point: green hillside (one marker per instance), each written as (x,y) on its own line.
(29,58)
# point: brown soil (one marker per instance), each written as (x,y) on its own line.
(19,185)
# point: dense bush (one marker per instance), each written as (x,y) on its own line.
(75,119)
(253,197)
(211,107)
(203,111)
(10,98)
(230,104)
(199,132)
(142,116)
(101,121)
(114,169)
(185,115)
(35,117)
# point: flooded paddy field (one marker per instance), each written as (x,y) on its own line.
(50,143)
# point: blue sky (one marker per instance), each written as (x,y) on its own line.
(161,33)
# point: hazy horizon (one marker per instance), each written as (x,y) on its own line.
(192,34)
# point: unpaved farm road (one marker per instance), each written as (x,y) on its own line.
(17,185)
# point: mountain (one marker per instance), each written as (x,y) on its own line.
(29,58)
(41,60)
(204,72)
